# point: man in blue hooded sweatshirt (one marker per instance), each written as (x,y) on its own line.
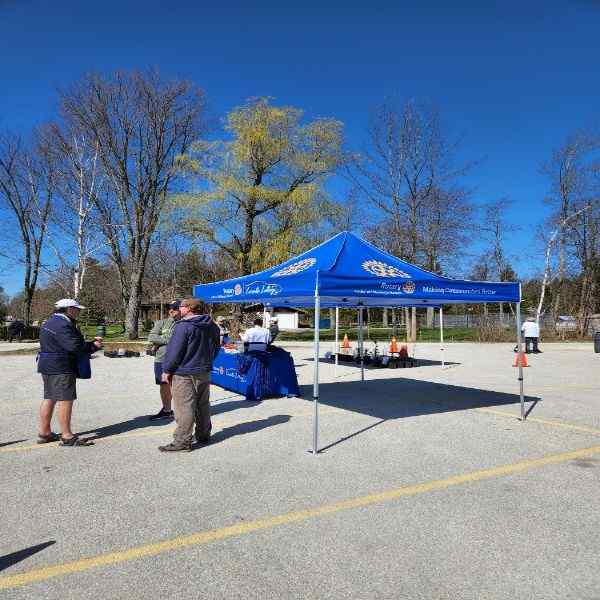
(187,364)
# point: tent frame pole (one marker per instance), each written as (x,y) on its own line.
(520,359)
(337,337)
(361,345)
(315,444)
(442,335)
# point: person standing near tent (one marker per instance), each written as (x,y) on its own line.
(61,345)
(257,337)
(274,328)
(187,365)
(531,332)
(223,326)
(159,336)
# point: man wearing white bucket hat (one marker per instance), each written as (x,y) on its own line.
(61,349)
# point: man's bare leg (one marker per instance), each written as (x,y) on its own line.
(165,396)
(65,410)
(46,410)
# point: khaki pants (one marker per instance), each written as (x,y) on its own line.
(191,405)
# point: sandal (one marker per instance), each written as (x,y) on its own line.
(75,441)
(46,439)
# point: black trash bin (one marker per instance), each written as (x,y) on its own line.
(597,342)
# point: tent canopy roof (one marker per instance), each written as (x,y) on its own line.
(348,271)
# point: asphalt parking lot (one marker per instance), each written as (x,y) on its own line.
(428,486)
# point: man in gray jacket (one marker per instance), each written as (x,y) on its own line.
(159,336)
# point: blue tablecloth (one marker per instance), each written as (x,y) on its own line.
(256,375)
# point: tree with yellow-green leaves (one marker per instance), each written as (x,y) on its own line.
(263,188)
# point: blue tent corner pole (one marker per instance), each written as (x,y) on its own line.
(442,335)
(361,343)
(315,446)
(520,360)
(337,338)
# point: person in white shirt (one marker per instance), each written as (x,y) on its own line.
(257,337)
(531,332)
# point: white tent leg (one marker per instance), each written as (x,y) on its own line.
(337,338)
(361,345)
(442,334)
(520,360)
(315,446)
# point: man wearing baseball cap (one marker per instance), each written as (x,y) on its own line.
(61,345)
(160,336)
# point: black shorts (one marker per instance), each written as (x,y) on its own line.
(59,387)
(158,373)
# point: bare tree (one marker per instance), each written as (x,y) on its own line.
(27,189)
(547,278)
(408,174)
(570,174)
(139,124)
(80,182)
(495,227)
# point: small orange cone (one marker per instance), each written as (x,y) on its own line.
(524,359)
(403,351)
(394,346)
(346,342)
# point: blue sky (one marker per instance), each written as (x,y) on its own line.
(513,79)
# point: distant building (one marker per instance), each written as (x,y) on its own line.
(566,323)
(288,317)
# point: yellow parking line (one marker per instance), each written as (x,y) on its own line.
(558,424)
(206,537)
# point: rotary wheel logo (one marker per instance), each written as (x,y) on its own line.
(381,269)
(296,267)
(408,287)
(237,290)
(221,370)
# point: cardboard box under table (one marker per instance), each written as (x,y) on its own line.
(256,375)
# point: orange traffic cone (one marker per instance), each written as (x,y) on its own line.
(403,351)
(346,343)
(524,356)
(394,345)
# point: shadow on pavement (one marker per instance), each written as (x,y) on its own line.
(399,398)
(222,407)
(124,427)
(10,443)
(144,421)
(249,427)
(8,560)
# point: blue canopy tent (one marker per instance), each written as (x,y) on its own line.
(348,272)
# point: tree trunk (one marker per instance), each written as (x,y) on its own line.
(430,317)
(27,301)
(385,317)
(132,313)
(413,324)
(248,243)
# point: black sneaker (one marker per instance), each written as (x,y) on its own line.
(162,414)
(203,441)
